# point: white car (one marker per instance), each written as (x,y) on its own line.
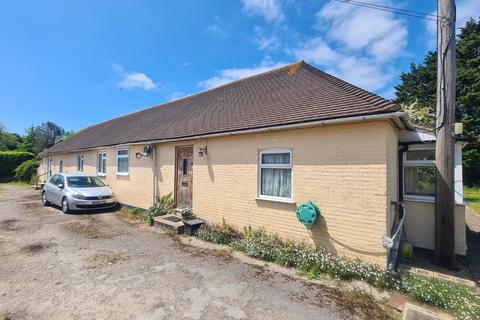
(77,192)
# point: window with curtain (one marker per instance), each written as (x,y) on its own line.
(101,163)
(419,173)
(275,166)
(122,161)
(80,163)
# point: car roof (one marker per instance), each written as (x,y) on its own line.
(78,174)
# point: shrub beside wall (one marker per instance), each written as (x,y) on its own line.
(26,171)
(10,160)
(458,299)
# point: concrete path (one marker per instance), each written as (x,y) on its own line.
(473,243)
(96,266)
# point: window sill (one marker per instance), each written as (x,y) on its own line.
(123,173)
(429,200)
(275,199)
(101,175)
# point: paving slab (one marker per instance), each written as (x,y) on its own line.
(415,312)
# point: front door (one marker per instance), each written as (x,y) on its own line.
(184,179)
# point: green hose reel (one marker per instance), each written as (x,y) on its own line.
(308,214)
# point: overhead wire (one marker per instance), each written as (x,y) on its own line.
(410,13)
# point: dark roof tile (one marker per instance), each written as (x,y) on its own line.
(292,94)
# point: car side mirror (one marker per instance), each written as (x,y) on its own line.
(60,185)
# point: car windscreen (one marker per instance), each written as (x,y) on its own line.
(84,182)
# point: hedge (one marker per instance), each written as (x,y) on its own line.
(26,170)
(10,160)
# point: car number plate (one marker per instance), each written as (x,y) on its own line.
(99,202)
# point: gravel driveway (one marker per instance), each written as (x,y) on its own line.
(96,266)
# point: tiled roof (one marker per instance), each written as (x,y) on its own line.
(295,93)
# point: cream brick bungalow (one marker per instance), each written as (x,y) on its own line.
(252,150)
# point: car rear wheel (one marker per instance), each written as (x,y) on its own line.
(45,202)
(65,206)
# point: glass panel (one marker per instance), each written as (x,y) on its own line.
(122,165)
(421,155)
(60,180)
(185,166)
(122,152)
(85,182)
(276,158)
(99,163)
(104,164)
(420,181)
(276,182)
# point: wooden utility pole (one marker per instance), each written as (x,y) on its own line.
(445,144)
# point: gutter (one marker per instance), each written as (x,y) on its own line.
(402,116)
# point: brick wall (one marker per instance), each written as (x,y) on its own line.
(342,168)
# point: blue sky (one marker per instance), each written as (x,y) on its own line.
(78,63)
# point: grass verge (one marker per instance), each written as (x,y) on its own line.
(457,299)
(16,183)
(472,196)
(132,215)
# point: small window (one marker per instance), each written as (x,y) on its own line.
(122,162)
(60,181)
(275,174)
(80,158)
(102,164)
(419,173)
(60,166)
(185,166)
(53,179)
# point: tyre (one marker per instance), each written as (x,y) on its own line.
(65,206)
(45,202)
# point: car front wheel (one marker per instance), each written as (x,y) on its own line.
(65,206)
(45,202)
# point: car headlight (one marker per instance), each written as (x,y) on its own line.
(78,196)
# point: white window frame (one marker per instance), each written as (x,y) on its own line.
(417,163)
(60,166)
(123,156)
(80,159)
(101,168)
(274,166)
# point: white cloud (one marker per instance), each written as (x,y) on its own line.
(268,9)
(359,45)
(317,51)
(364,72)
(133,79)
(265,41)
(176,95)
(219,28)
(465,10)
(378,33)
(388,93)
(228,75)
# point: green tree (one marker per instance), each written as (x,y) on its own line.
(28,140)
(41,137)
(8,141)
(417,93)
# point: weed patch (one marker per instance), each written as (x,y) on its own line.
(458,299)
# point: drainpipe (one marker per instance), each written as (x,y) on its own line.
(154,171)
(392,256)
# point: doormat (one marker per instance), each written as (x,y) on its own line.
(173,219)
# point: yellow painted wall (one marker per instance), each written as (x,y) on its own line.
(350,171)
(135,189)
(342,168)
(420,225)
